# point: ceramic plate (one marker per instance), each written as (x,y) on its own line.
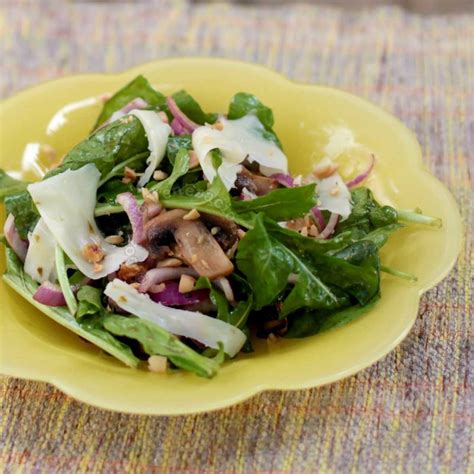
(308,118)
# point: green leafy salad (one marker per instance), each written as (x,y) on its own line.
(173,236)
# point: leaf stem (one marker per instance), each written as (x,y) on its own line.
(64,281)
(415,216)
(398,273)
(116,170)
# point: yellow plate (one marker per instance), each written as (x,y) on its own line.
(307,119)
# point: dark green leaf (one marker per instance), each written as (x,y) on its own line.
(156,341)
(25,212)
(281,204)
(175,143)
(10,186)
(89,301)
(192,109)
(139,87)
(180,168)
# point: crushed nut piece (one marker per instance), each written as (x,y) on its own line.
(193,159)
(325,170)
(150,197)
(231,252)
(114,239)
(157,364)
(130,174)
(298,180)
(304,231)
(169,262)
(159,175)
(135,285)
(313,231)
(186,284)
(93,253)
(192,215)
(215,230)
(241,233)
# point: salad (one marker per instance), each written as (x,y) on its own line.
(173,236)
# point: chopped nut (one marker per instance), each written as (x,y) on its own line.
(126,119)
(114,239)
(192,215)
(158,288)
(231,252)
(241,233)
(169,262)
(215,230)
(186,284)
(130,174)
(150,197)
(296,224)
(325,170)
(157,364)
(163,116)
(335,191)
(298,180)
(159,175)
(93,253)
(135,285)
(193,159)
(313,231)
(304,231)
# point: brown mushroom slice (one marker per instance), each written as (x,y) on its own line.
(195,244)
(259,185)
(227,230)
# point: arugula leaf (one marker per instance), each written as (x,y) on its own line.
(23,209)
(243,104)
(313,322)
(10,186)
(157,341)
(139,87)
(238,315)
(89,301)
(281,204)
(26,287)
(192,109)
(175,144)
(107,147)
(180,168)
(110,190)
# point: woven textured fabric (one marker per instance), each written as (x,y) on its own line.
(410,412)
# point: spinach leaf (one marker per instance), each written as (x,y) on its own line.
(281,204)
(89,301)
(23,209)
(313,322)
(107,147)
(26,287)
(192,109)
(243,104)
(176,143)
(110,190)
(157,341)
(10,186)
(139,87)
(180,168)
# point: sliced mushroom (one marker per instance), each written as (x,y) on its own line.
(259,185)
(227,233)
(194,243)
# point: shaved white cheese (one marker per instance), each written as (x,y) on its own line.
(198,326)
(157,133)
(40,262)
(66,203)
(333,194)
(237,140)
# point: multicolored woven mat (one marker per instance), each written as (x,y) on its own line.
(412,411)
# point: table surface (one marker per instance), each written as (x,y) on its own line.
(410,412)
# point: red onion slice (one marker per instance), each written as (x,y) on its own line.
(319,218)
(330,227)
(130,206)
(159,275)
(177,128)
(137,103)
(171,296)
(49,294)
(185,121)
(18,245)
(363,176)
(284,179)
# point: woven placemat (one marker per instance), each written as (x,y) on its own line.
(412,411)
